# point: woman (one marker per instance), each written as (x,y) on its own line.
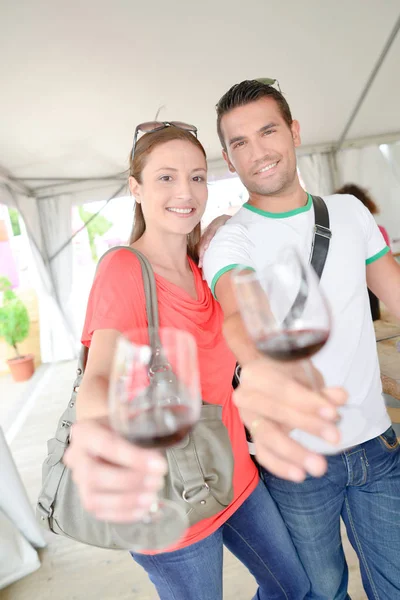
(365,198)
(118,481)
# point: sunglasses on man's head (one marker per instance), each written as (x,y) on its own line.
(152,126)
(271,82)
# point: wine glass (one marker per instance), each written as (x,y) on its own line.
(288,317)
(154,402)
(283,309)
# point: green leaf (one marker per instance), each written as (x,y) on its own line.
(97,227)
(5,284)
(14,218)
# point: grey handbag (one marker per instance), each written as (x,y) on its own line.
(200,466)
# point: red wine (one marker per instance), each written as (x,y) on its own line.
(293,345)
(160,427)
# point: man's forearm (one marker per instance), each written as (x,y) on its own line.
(238,339)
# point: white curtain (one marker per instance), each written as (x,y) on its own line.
(47,224)
(59,250)
(376,168)
(315,171)
(393,151)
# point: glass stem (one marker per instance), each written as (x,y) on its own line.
(308,370)
(154,508)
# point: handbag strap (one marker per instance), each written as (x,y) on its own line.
(150,292)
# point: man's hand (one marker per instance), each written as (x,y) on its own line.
(209,233)
(272,404)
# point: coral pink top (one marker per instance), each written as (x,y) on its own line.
(117,301)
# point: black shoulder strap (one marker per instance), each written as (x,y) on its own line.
(319,252)
(322,235)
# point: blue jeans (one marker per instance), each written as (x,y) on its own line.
(256,534)
(362,485)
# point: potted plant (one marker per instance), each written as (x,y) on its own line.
(14,328)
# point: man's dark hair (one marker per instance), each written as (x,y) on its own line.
(245,92)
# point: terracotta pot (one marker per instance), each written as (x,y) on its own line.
(22,368)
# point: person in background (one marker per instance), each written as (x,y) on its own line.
(365,198)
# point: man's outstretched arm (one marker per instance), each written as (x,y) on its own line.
(274,398)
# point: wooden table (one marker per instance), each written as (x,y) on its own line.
(387,332)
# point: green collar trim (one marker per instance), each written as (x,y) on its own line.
(283,215)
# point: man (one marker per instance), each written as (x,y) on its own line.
(362,483)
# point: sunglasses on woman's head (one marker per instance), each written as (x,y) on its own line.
(152,126)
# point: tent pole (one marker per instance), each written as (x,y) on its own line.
(118,176)
(68,190)
(369,83)
(27,226)
(14,184)
(75,181)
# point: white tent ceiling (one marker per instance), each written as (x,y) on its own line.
(77,77)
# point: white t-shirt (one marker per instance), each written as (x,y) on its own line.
(254,238)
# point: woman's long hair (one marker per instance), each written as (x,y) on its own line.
(143,149)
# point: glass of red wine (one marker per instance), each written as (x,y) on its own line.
(154,402)
(283,309)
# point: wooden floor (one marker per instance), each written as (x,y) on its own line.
(72,571)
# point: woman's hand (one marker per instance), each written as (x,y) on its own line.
(116,480)
(272,404)
(209,233)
